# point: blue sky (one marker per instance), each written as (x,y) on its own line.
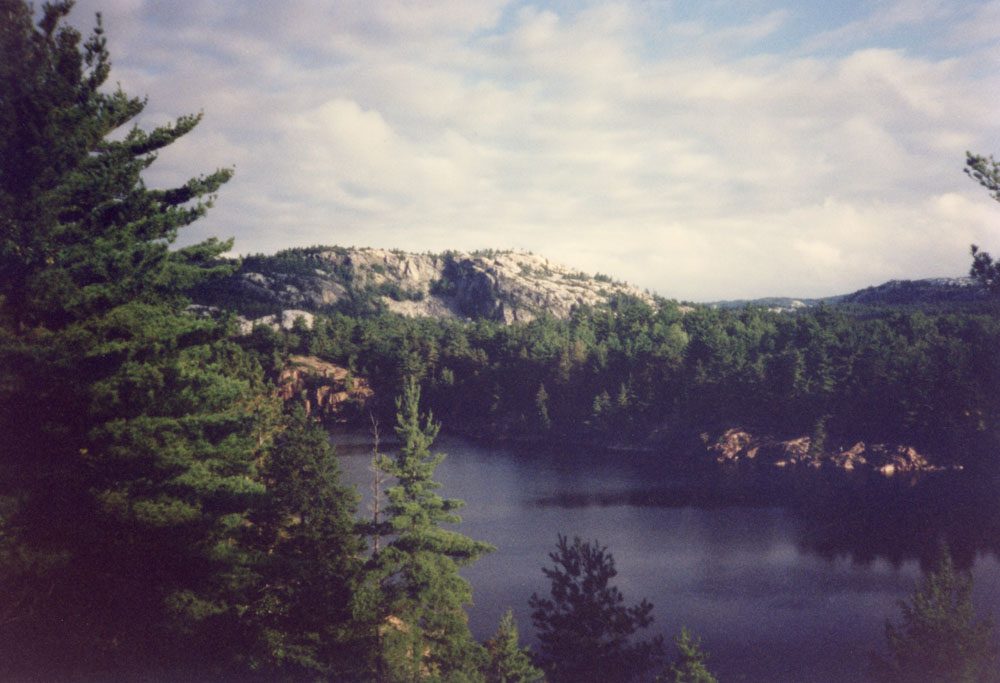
(718,149)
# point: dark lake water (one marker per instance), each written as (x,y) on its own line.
(784,578)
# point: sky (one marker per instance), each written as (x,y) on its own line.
(707,150)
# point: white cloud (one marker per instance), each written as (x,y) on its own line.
(685,155)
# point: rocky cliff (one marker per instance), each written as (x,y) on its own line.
(501,286)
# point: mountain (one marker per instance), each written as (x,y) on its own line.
(502,286)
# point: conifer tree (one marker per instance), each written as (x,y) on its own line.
(310,560)
(689,667)
(986,172)
(508,661)
(939,638)
(584,628)
(133,432)
(420,598)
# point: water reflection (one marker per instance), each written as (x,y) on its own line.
(860,516)
(900,519)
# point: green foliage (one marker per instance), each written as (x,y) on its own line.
(689,667)
(986,172)
(397,293)
(81,233)
(152,493)
(309,563)
(129,450)
(584,629)
(482,253)
(419,594)
(628,371)
(985,269)
(443,287)
(939,638)
(508,661)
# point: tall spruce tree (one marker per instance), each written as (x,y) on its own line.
(689,666)
(133,433)
(419,596)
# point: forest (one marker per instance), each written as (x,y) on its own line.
(164,515)
(631,375)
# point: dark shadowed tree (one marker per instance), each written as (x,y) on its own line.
(301,618)
(584,627)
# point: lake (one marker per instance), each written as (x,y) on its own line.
(784,577)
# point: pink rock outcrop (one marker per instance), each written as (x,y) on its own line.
(740,446)
(324,388)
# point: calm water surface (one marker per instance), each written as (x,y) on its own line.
(784,579)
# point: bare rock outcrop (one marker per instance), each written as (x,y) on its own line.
(739,446)
(327,391)
(279,321)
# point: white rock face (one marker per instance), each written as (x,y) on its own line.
(285,321)
(507,286)
(502,286)
(289,317)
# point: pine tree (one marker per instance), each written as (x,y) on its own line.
(301,619)
(81,233)
(585,629)
(420,595)
(133,432)
(986,172)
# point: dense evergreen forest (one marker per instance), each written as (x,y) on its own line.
(632,374)
(165,516)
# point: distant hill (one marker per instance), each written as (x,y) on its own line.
(930,293)
(915,292)
(502,286)
(774,303)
